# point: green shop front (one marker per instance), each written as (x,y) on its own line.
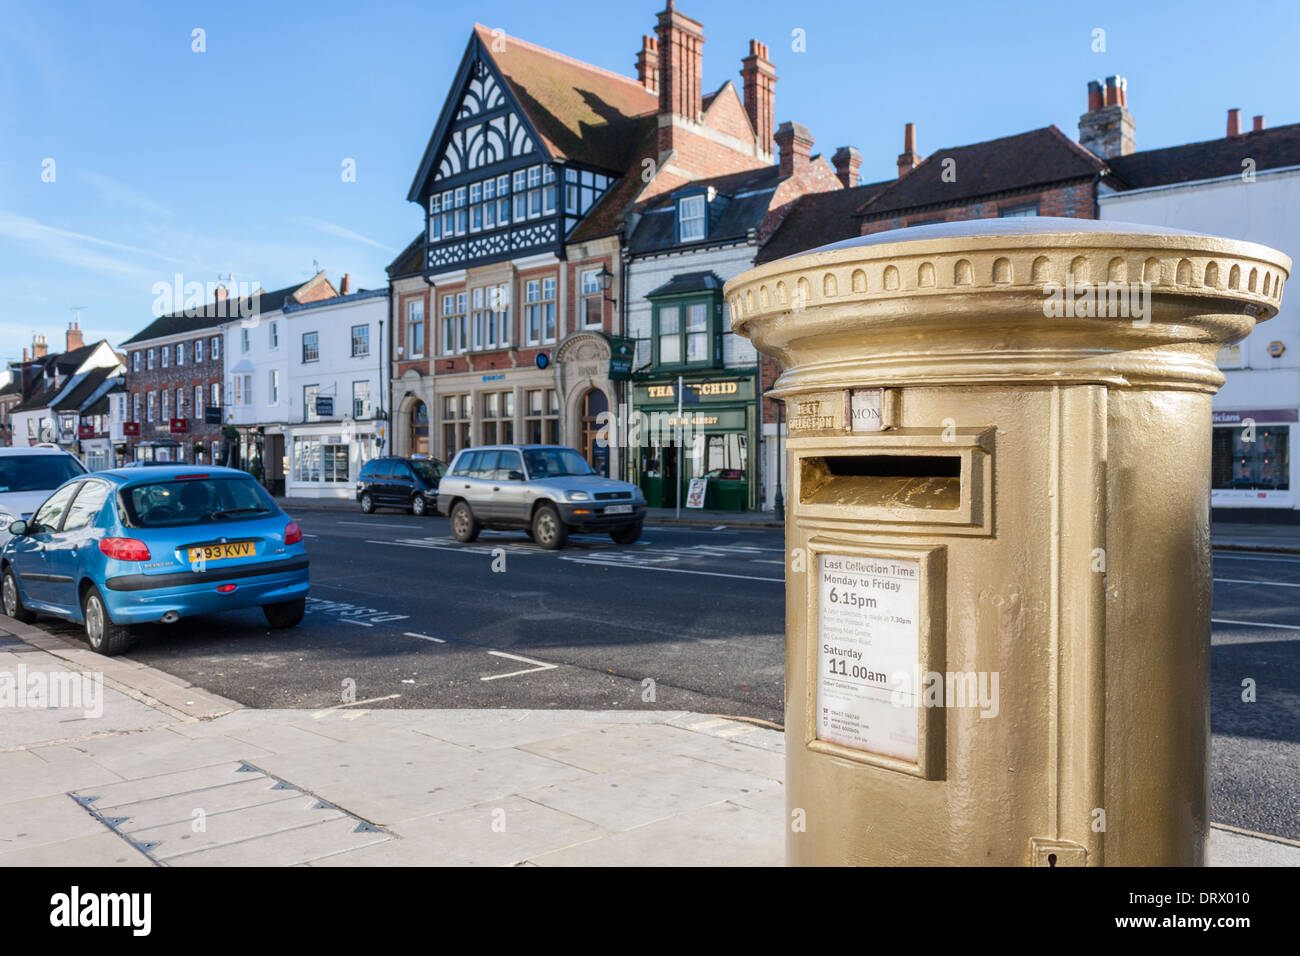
(719,435)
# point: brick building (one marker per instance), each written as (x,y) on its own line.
(175,373)
(507,307)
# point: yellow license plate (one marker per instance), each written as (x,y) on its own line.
(222,552)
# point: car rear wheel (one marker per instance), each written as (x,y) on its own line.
(104,636)
(286,613)
(464,526)
(13,601)
(419,507)
(548,530)
(367,504)
(628,534)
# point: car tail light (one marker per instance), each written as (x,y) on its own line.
(292,533)
(226,588)
(124,549)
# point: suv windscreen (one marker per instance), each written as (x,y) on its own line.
(555,463)
(431,471)
(192,501)
(36,472)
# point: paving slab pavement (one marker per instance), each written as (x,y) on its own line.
(155,772)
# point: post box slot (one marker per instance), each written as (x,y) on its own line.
(929,482)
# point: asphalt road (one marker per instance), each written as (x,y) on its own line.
(687,618)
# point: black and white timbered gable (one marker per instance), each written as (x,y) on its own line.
(490,187)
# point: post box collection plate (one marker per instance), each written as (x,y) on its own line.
(869,629)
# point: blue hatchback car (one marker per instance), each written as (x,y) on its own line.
(128,546)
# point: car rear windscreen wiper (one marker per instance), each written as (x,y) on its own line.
(216,515)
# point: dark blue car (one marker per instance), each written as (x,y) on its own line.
(128,546)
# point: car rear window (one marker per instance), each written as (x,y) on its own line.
(191,501)
(36,472)
(428,469)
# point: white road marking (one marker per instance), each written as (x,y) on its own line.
(425,637)
(348,620)
(1286,627)
(1257,556)
(646,567)
(376,524)
(525,660)
(1272,584)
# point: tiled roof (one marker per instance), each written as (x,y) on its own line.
(217,313)
(12,388)
(741,202)
(688,282)
(84,389)
(580,111)
(1009,164)
(606,216)
(410,261)
(1268,149)
(819,218)
(40,399)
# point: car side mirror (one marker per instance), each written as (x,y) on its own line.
(18,528)
(515,476)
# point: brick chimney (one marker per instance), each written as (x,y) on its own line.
(794,147)
(1234,123)
(846,161)
(1259,124)
(39,348)
(346,284)
(681,43)
(647,64)
(1108,128)
(73,339)
(759,79)
(908,159)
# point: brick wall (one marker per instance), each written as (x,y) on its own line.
(1073,200)
(207,373)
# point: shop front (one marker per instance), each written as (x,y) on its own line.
(718,428)
(324,461)
(1251,459)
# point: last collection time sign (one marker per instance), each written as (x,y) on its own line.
(868,638)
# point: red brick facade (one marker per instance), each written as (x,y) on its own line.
(140,384)
(1076,200)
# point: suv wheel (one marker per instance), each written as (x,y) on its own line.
(627,534)
(419,507)
(464,526)
(104,636)
(548,530)
(13,601)
(367,504)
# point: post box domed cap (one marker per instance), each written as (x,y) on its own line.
(986,286)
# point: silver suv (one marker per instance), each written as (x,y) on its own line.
(548,490)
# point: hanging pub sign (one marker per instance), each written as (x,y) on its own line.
(622,351)
(325,406)
(85,431)
(212,415)
(131,429)
(179,426)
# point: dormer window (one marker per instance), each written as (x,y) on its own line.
(692,218)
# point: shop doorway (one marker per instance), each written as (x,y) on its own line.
(594,405)
(419,437)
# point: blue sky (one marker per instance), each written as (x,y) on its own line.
(229,161)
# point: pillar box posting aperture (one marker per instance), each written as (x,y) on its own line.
(998,586)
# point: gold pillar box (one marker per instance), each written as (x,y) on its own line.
(999,584)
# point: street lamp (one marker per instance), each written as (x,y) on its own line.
(606,281)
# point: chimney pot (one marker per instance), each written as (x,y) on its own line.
(794,148)
(346,284)
(758,79)
(1259,123)
(908,160)
(220,292)
(681,40)
(647,64)
(1234,122)
(846,161)
(1108,128)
